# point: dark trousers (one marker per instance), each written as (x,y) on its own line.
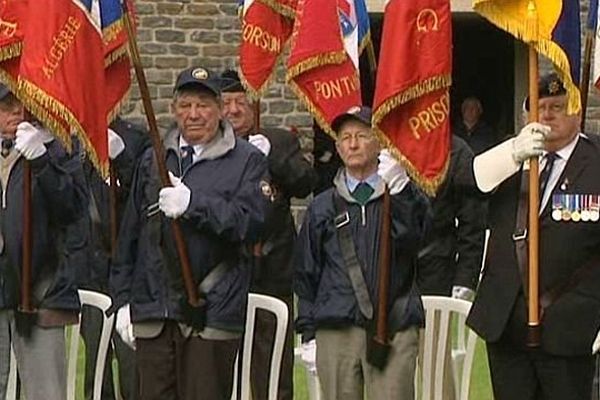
(91,323)
(264,338)
(173,367)
(532,374)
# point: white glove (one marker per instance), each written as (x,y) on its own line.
(529,142)
(596,344)
(124,327)
(174,201)
(309,355)
(391,172)
(30,139)
(260,142)
(462,293)
(115,144)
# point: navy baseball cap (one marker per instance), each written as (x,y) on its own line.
(4,91)
(358,113)
(200,77)
(230,82)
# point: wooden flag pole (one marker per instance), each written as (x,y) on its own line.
(26,305)
(533,320)
(112,200)
(585,73)
(186,270)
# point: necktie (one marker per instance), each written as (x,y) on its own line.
(545,174)
(187,157)
(7,145)
(362,193)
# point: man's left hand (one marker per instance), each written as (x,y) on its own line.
(596,344)
(463,293)
(260,142)
(116,145)
(174,200)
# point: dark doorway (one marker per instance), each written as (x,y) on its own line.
(483,66)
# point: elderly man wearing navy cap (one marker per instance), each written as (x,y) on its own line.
(562,366)
(58,201)
(336,270)
(219,197)
(292,176)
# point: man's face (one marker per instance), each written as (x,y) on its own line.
(11,114)
(357,146)
(471,111)
(197,114)
(237,109)
(564,128)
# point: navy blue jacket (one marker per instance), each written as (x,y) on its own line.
(225,213)
(58,201)
(325,295)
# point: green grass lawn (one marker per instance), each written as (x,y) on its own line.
(480,377)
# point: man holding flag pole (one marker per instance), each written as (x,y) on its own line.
(538,311)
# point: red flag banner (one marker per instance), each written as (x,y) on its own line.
(266,27)
(412,100)
(320,70)
(11,29)
(62,77)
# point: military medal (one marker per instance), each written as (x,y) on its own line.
(594,212)
(566,211)
(585,212)
(557,207)
(576,214)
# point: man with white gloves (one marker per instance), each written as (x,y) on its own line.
(569,256)
(219,196)
(336,269)
(58,201)
(291,176)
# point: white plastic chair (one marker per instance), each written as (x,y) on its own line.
(11,388)
(89,298)
(103,303)
(312,379)
(280,309)
(462,356)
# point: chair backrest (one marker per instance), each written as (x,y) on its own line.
(103,303)
(439,311)
(280,309)
(312,380)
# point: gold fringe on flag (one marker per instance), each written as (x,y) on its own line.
(529,32)
(279,8)
(429,185)
(51,112)
(10,51)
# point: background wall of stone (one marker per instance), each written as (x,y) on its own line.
(175,34)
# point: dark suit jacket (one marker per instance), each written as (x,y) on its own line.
(569,325)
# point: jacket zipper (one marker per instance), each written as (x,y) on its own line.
(363,215)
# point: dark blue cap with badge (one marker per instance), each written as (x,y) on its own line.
(200,77)
(4,91)
(358,113)
(549,85)
(230,82)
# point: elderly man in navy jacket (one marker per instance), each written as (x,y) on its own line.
(219,196)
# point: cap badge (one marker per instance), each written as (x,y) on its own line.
(200,74)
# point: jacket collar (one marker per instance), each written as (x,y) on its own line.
(221,144)
(340,186)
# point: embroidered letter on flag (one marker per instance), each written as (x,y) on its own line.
(266,27)
(62,72)
(552,28)
(320,70)
(412,101)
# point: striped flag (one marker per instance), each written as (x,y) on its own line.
(552,27)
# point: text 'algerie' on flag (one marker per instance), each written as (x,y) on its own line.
(266,27)
(552,27)
(319,69)
(69,66)
(412,101)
